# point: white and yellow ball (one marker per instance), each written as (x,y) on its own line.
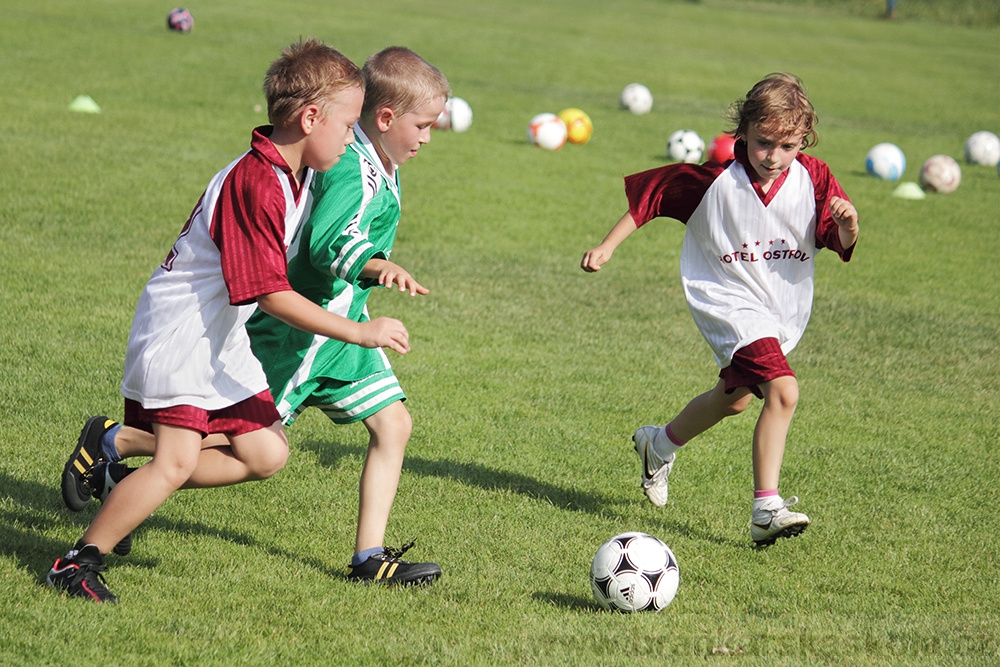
(579,127)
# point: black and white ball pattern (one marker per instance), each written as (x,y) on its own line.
(634,572)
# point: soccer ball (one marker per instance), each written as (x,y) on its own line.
(634,572)
(685,146)
(940,173)
(180,19)
(885,161)
(546,130)
(983,148)
(457,116)
(636,98)
(578,125)
(721,148)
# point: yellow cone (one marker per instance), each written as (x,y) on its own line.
(84,104)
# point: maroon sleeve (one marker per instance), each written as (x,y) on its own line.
(826,186)
(248,226)
(671,191)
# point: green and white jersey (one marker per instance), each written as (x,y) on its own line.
(355,212)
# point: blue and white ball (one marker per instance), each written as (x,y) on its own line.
(885,161)
(634,572)
(180,19)
(685,146)
(983,148)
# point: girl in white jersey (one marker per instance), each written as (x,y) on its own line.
(754,226)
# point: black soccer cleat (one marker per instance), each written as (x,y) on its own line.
(101,479)
(386,567)
(76,490)
(80,576)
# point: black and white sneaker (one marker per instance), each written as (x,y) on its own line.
(386,567)
(76,491)
(80,575)
(101,479)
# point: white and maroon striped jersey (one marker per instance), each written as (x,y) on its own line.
(188,345)
(747,262)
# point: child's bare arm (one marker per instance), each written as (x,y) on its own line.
(295,310)
(388,273)
(846,217)
(594,259)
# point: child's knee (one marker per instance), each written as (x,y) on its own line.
(270,460)
(783,393)
(738,405)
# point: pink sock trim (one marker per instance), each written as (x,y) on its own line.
(673,438)
(765,493)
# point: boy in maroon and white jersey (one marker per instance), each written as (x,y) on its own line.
(753,228)
(189,370)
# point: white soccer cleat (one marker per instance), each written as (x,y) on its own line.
(654,469)
(773,521)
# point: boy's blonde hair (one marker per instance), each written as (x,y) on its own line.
(776,105)
(401,80)
(307,72)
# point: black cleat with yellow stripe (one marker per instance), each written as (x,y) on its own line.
(76,490)
(387,567)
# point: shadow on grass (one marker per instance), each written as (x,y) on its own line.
(27,509)
(565,601)
(473,474)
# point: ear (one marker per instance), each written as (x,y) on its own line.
(309,117)
(384,118)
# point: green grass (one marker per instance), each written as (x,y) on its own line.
(527,376)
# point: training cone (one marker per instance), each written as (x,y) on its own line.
(84,104)
(909,190)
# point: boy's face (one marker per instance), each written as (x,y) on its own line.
(407,133)
(334,132)
(770,154)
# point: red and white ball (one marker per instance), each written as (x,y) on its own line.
(721,148)
(457,116)
(940,174)
(180,19)
(546,130)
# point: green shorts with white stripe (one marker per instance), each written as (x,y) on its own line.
(344,402)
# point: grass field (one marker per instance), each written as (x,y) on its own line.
(527,376)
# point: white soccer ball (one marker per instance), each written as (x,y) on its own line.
(546,130)
(457,116)
(885,161)
(685,146)
(634,572)
(983,148)
(941,174)
(636,98)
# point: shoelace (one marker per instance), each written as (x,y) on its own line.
(396,554)
(785,504)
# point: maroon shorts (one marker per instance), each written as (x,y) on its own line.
(760,361)
(249,415)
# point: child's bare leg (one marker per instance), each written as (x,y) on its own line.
(140,493)
(131,441)
(781,395)
(708,409)
(389,430)
(251,456)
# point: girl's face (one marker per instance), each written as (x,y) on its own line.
(771,154)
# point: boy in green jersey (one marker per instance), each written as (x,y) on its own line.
(339,254)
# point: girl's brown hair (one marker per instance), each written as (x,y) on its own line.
(776,105)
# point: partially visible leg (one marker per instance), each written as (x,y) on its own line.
(389,430)
(705,411)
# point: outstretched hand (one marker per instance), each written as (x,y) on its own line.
(389,274)
(594,259)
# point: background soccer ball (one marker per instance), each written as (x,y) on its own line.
(685,146)
(180,19)
(941,174)
(457,116)
(579,127)
(721,148)
(634,572)
(636,98)
(885,161)
(983,148)
(547,131)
